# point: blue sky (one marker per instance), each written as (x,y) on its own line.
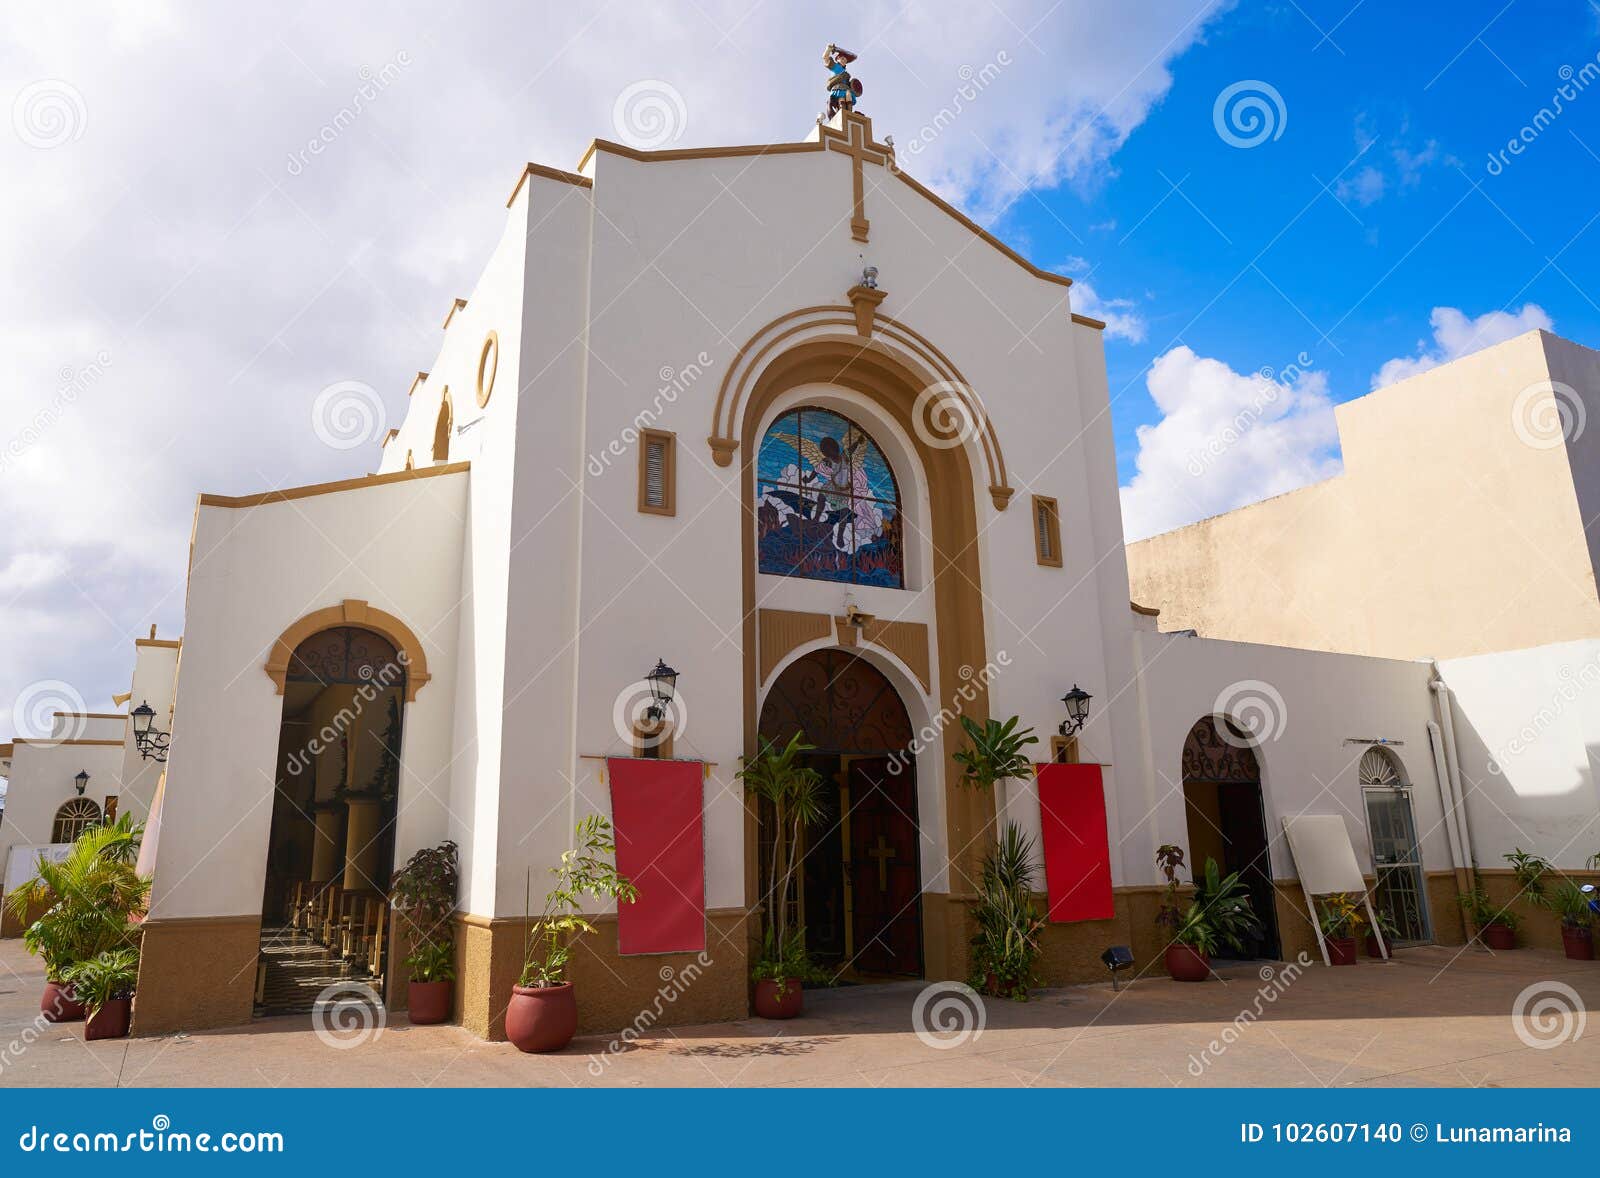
(1260,254)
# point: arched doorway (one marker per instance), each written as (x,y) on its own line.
(861,886)
(1400,892)
(1227,819)
(330,852)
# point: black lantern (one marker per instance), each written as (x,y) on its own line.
(81,781)
(1077,702)
(663,685)
(150,741)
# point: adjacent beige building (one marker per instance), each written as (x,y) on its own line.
(1467,520)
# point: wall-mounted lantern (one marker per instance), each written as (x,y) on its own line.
(81,781)
(1077,703)
(150,741)
(663,686)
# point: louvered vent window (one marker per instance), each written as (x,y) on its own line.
(1046,531)
(657,473)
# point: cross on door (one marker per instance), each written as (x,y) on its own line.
(882,852)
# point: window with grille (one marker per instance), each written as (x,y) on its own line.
(74,817)
(657,472)
(1046,531)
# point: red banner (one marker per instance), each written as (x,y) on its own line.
(1077,851)
(657,814)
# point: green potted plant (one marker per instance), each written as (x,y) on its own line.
(1388,928)
(1218,913)
(424,896)
(1007,945)
(89,899)
(543,1014)
(1530,871)
(1341,917)
(1497,927)
(105,984)
(994,753)
(788,794)
(1571,907)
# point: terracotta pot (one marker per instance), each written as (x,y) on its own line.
(1372,947)
(1498,936)
(1341,950)
(430,1002)
(58,1005)
(110,1021)
(769,1005)
(1578,942)
(542,1018)
(1185,963)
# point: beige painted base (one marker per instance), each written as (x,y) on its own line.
(195,974)
(669,989)
(1539,928)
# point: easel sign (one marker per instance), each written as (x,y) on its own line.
(1326,864)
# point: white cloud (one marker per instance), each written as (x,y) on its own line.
(1455,335)
(1225,439)
(1122,319)
(1365,187)
(167,243)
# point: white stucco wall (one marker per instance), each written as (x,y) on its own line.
(255,571)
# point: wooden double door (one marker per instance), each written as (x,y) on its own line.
(863,870)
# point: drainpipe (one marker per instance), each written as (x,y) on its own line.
(1457,813)
(1458,859)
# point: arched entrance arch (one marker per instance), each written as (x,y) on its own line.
(1400,890)
(1227,817)
(860,893)
(330,851)
(892,382)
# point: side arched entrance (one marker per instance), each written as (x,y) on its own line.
(860,895)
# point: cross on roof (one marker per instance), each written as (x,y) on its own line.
(854,138)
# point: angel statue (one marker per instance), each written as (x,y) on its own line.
(843,90)
(834,492)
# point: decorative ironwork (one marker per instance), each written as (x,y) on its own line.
(1219,754)
(74,817)
(346,654)
(1378,768)
(842,703)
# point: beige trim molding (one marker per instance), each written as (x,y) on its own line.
(1144,609)
(491,347)
(456,305)
(46,742)
(865,300)
(173,643)
(351,612)
(532,169)
(894,342)
(96,715)
(390,436)
(420,378)
(1085,321)
(668,441)
(780,631)
(1046,531)
(285,494)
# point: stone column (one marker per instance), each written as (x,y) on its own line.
(361,844)
(326,850)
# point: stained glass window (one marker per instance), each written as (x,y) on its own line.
(828,505)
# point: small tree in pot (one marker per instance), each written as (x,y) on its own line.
(1009,924)
(788,795)
(1497,927)
(1571,906)
(105,984)
(543,1015)
(994,754)
(424,895)
(1218,914)
(1341,917)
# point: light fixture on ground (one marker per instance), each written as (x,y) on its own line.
(663,686)
(81,781)
(1077,702)
(150,741)
(1117,958)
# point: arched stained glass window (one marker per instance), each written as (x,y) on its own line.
(828,504)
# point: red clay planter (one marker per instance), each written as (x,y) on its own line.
(542,1018)
(58,1005)
(1498,936)
(769,1004)
(1578,942)
(1185,963)
(110,1021)
(430,1002)
(1341,950)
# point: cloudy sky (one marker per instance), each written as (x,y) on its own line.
(187,274)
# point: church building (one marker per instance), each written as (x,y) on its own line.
(778,420)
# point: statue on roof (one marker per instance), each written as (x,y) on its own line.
(843,90)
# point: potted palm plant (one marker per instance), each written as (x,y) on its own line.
(543,1014)
(1497,927)
(424,895)
(1009,923)
(89,899)
(994,753)
(1571,906)
(1218,914)
(1341,917)
(1386,926)
(105,984)
(788,795)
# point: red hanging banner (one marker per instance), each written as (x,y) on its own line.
(657,815)
(1077,851)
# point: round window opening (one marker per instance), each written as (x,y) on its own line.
(488,364)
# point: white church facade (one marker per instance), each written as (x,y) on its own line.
(784,419)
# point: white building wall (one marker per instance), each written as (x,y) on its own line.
(155,681)
(255,571)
